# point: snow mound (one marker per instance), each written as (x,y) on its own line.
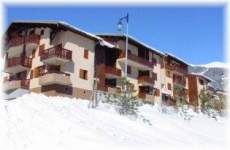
(35,121)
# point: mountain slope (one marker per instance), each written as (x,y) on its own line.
(216,70)
(35,121)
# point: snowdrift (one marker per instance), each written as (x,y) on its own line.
(35,121)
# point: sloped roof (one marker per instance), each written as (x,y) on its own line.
(177,58)
(59,24)
(202,75)
(132,39)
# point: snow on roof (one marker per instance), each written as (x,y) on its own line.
(202,75)
(67,25)
(179,59)
(131,38)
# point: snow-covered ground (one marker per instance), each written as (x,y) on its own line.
(35,121)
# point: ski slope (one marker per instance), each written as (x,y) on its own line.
(35,121)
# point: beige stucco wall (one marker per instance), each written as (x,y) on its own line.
(160,75)
(75,43)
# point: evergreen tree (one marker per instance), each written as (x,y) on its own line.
(205,100)
(126,103)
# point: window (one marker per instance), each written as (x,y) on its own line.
(129,70)
(32,32)
(41,48)
(154,61)
(110,82)
(157,92)
(168,73)
(201,81)
(42,32)
(83,74)
(154,75)
(86,53)
(169,86)
(33,53)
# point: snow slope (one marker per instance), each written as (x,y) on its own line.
(35,121)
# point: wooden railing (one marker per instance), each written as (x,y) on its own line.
(176,68)
(179,80)
(147,79)
(112,70)
(25,83)
(18,40)
(56,51)
(43,70)
(138,59)
(32,38)
(24,61)
(14,41)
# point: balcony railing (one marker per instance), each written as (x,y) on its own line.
(23,61)
(18,40)
(25,84)
(138,59)
(55,77)
(15,84)
(176,68)
(14,41)
(32,38)
(177,79)
(112,70)
(56,51)
(147,79)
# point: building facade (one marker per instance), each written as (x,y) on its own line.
(56,58)
(196,83)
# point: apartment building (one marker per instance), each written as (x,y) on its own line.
(56,58)
(197,82)
(143,65)
(174,84)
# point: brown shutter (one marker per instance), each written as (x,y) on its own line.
(86,53)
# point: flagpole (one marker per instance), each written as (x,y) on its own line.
(126,45)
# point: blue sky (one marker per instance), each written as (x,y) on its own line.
(193,33)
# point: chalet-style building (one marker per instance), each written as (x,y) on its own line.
(175,84)
(56,58)
(48,57)
(196,83)
(143,69)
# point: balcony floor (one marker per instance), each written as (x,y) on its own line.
(55,61)
(15,69)
(135,64)
(54,78)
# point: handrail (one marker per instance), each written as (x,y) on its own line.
(57,51)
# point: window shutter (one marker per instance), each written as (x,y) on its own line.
(129,70)
(86,53)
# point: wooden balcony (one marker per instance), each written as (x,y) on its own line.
(18,64)
(146,79)
(182,93)
(179,80)
(55,77)
(112,71)
(175,68)
(16,84)
(56,55)
(113,90)
(146,96)
(15,45)
(137,61)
